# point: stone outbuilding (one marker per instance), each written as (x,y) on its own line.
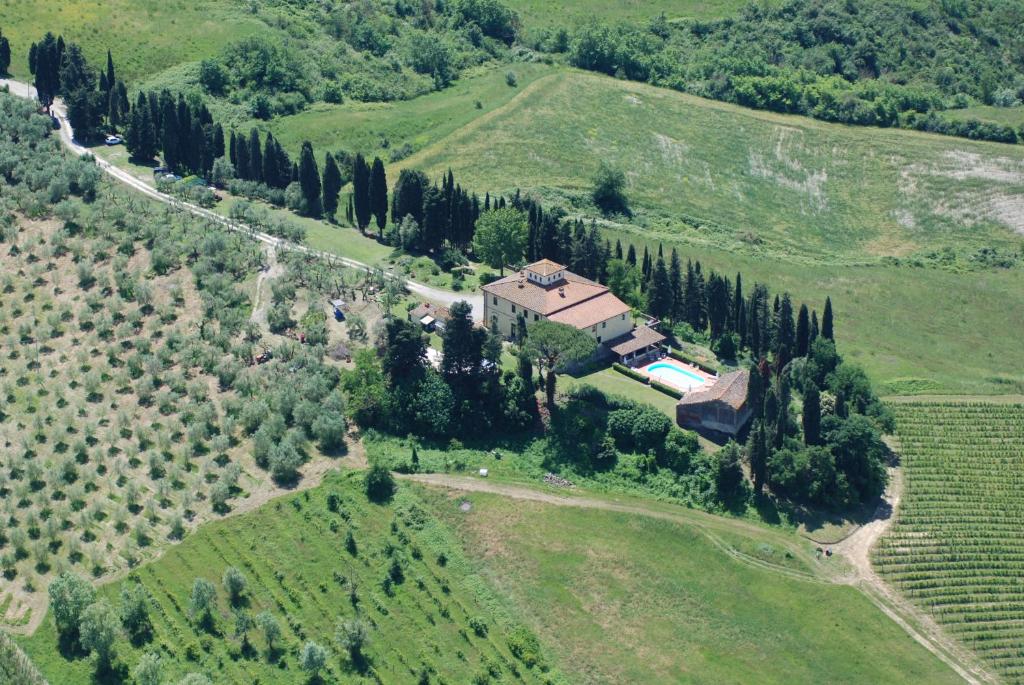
(722,407)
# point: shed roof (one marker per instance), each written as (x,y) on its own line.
(637,339)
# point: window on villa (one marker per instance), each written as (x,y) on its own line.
(513,309)
(598,338)
(536,317)
(623,317)
(495,300)
(604,324)
(593,329)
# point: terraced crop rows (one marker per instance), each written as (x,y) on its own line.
(957,547)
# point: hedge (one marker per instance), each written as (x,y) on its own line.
(675,354)
(626,371)
(671,392)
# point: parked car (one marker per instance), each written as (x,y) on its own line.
(113,140)
(161,170)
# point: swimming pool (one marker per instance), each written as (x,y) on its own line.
(675,376)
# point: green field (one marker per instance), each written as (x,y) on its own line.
(813,208)
(630,599)
(768,183)
(294,555)
(955,549)
(145,36)
(559,13)
(1007,116)
(378,128)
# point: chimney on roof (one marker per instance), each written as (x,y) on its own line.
(522,283)
(561,291)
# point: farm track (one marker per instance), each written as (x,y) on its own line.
(438,295)
(855,550)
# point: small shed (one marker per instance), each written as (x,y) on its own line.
(430,316)
(722,407)
(339,309)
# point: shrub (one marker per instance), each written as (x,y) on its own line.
(626,371)
(380,484)
(662,388)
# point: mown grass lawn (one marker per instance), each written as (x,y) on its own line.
(624,598)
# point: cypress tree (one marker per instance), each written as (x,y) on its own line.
(803,332)
(812,416)
(407,200)
(110,71)
(271,172)
(255,156)
(5,54)
(184,126)
(784,334)
(332,186)
(659,296)
(169,131)
(379,194)
(361,192)
(309,179)
(813,335)
(618,249)
(218,141)
(675,280)
(826,320)
(737,307)
(197,147)
(757,453)
(631,255)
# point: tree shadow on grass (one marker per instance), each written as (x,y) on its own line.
(111,674)
(70,648)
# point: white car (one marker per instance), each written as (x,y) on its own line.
(113,140)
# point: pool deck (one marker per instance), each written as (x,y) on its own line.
(682,366)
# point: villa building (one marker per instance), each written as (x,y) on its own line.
(546,290)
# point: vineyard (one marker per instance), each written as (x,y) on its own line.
(956,548)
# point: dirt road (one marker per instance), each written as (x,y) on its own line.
(437,295)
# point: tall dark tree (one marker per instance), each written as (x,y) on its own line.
(309,179)
(813,334)
(45,60)
(659,295)
(675,281)
(379,194)
(803,332)
(111,81)
(332,185)
(463,345)
(255,156)
(737,307)
(5,54)
(718,299)
(826,320)
(631,255)
(407,200)
(361,192)
(785,337)
(169,130)
(272,174)
(758,452)
(405,352)
(812,416)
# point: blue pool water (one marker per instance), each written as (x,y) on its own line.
(674,375)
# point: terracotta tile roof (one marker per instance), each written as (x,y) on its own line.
(428,309)
(545,267)
(730,389)
(545,299)
(591,312)
(636,339)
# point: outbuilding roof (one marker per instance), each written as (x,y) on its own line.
(637,339)
(730,389)
(427,309)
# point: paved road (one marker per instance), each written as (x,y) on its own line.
(67,136)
